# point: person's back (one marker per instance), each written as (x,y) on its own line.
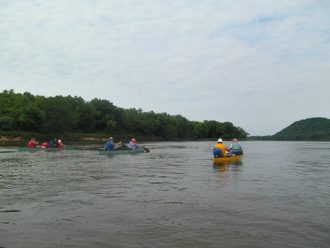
(235,148)
(32,143)
(53,143)
(220,149)
(109,145)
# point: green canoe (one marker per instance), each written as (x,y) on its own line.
(50,149)
(123,151)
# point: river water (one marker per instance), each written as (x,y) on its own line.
(171,197)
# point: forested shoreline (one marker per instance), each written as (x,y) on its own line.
(311,129)
(73,117)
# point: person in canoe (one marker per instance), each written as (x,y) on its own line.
(133,144)
(109,145)
(32,143)
(52,143)
(235,148)
(220,149)
(59,143)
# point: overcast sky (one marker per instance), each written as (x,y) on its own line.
(259,64)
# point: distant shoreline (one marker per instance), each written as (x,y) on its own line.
(20,139)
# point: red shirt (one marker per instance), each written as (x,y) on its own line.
(32,144)
(59,144)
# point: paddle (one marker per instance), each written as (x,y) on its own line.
(146,149)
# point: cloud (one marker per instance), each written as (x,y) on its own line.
(237,61)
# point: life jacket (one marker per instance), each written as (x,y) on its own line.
(133,145)
(236,149)
(222,148)
(59,144)
(32,144)
(109,145)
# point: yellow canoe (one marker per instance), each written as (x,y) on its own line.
(227,160)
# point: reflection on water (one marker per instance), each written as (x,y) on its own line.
(174,196)
(231,166)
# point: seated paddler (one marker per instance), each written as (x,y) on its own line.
(220,149)
(59,143)
(235,148)
(109,145)
(133,144)
(32,143)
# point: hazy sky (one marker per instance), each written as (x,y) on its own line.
(259,64)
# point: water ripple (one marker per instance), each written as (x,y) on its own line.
(171,197)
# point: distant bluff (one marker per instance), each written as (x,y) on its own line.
(316,129)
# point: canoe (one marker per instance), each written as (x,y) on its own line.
(227,160)
(122,151)
(49,149)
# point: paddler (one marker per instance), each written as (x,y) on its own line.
(235,148)
(32,143)
(110,145)
(59,143)
(133,144)
(220,149)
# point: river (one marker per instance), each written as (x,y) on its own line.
(171,197)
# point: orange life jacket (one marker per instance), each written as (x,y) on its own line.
(222,147)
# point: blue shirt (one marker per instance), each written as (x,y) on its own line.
(236,146)
(109,145)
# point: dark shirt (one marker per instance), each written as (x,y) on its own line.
(109,145)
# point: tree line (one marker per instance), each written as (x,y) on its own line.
(314,129)
(66,114)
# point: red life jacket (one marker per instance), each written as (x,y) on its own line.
(32,144)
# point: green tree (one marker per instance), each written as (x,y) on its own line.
(59,114)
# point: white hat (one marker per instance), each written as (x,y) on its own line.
(219,140)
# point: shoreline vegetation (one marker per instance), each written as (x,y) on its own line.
(73,119)
(310,129)
(22,139)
